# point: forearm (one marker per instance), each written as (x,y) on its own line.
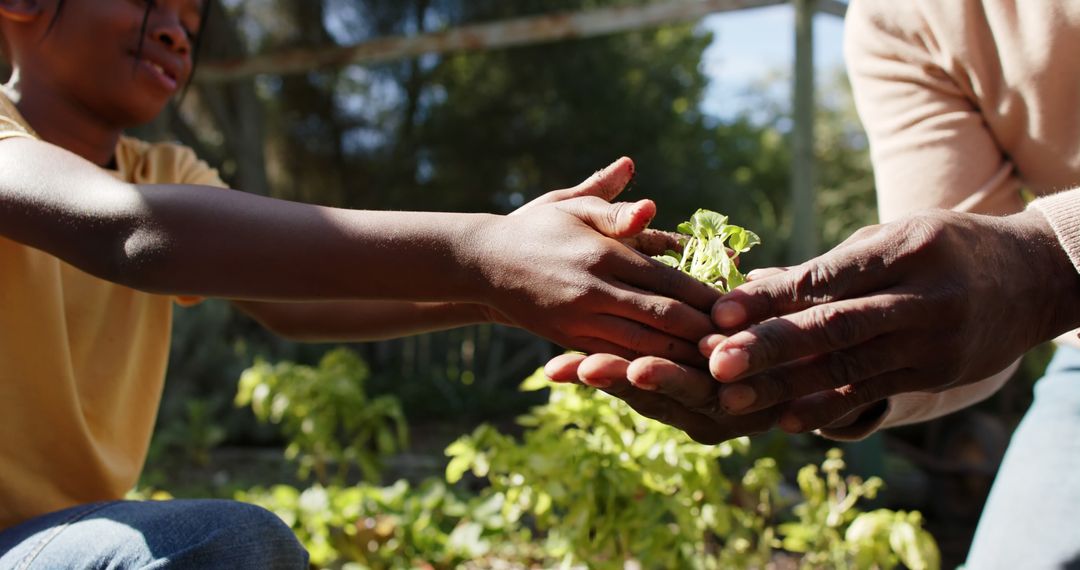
(206,241)
(360,321)
(229,244)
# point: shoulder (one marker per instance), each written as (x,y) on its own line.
(163,163)
(11,122)
(886,27)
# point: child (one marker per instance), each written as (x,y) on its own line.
(99,233)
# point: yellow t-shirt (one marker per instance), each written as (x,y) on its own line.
(82,360)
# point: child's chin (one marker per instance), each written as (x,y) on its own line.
(143,113)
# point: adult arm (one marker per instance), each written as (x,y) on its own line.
(932,148)
(1007,284)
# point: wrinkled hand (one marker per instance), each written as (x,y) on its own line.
(927,303)
(681,396)
(556,267)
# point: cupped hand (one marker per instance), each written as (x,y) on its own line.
(931,302)
(678,395)
(556,267)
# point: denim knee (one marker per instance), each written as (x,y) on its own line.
(230,534)
(203,534)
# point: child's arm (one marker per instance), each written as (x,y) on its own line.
(546,268)
(361,321)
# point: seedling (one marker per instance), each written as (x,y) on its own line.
(711,250)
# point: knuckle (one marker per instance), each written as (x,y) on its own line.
(768,344)
(811,282)
(662,310)
(612,214)
(843,369)
(777,389)
(582,294)
(924,230)
(839,328)
(865,232)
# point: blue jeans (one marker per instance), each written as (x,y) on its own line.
(208,534)
(1031,520)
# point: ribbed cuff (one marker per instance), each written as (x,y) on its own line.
(1062,210)
(913,407)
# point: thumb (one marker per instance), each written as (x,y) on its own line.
(607,183)
(618,220)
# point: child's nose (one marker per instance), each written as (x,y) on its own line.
(174,38)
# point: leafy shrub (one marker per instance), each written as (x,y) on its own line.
(399,526)
(589,482)
(605,485)
(326,414)
(831,532)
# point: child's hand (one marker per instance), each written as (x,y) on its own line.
(681,396)
(556,268)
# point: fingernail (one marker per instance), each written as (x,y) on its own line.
(737,397)
(729,314)
(728,364)
(791,424)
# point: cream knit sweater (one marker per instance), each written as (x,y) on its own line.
(966,102)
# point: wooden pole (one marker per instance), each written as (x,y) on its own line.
(804,233)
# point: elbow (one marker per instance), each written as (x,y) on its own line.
(138,259)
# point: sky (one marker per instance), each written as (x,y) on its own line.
(752,44)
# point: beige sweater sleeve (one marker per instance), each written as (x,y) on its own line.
(930,148)
(1062,210)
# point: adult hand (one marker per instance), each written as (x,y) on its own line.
(556,267)
(931,302)
(681,396)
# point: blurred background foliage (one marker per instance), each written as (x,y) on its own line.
(487,131)
(480,132)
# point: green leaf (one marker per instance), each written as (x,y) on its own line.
(708,224)
(669,260)
(457,467)
(535,382)
(705,256)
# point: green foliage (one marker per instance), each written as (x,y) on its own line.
(399,526)
(605,485)
(831,531)
(705,255)
(326,413)
(591,482)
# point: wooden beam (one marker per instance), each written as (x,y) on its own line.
(507,33)
(833,7)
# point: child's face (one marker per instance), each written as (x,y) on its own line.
(93,55)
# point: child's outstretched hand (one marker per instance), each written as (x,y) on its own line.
(556,267)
